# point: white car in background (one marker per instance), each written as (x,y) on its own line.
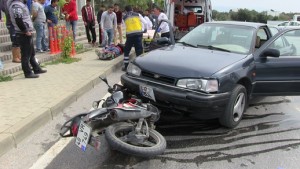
(288,24)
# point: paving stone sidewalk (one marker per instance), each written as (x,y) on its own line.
(27,104)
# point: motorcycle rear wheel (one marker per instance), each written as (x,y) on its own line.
(113,136)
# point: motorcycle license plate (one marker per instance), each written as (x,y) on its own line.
(147,91)
(83,136)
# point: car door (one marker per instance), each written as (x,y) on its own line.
(278,65)
(157,41)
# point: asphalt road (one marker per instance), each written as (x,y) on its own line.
(267,137)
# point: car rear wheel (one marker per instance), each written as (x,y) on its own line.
(236,107)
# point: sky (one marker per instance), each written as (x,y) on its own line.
(258,5)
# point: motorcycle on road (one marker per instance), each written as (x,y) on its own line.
(126,122)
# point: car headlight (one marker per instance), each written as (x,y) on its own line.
(211,85)
(133,69)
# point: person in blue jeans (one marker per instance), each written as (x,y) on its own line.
(109,23)
(70,11)
(39,19)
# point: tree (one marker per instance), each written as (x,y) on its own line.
(244,15)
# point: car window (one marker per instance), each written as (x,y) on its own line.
(284,24)
(293,24)
(288,44)
(273,30)
(278,44)
(232,38)
(262,34)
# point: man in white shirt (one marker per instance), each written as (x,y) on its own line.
(149,22)
(164,27)
(109,23)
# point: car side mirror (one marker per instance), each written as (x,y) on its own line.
(163,41)
(270,52)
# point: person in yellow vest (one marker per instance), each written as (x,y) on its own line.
(134,34)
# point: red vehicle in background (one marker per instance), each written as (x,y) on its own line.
(185,15)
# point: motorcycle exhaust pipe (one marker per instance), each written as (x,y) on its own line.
(121,114)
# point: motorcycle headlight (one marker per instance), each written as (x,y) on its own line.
(133,69)
(211,85)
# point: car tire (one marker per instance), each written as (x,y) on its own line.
(236,107)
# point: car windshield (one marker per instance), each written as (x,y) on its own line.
(223,37)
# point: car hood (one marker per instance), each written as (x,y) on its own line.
(181,61)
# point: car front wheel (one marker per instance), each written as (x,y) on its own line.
(236,107)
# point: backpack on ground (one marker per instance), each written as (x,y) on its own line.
(110,52)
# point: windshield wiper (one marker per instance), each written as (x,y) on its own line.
(213,48)
(187,44)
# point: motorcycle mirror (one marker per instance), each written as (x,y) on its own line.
(103,79)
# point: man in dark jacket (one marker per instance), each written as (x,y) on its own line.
(88,18)
(16,53)
(101,34)
(50,11)
(21,19)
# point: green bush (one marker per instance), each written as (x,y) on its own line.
(5,78)
(67,47)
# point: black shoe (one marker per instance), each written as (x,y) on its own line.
(40,71)
(31,76)
(124,67)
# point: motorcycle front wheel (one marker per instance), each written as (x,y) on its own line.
(117,133)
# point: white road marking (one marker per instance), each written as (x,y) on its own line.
(47,158)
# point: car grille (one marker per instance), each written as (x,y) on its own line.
(160,78)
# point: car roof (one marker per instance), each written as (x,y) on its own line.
(251,24)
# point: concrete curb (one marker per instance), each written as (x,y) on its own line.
(37,119)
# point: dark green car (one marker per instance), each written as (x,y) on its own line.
(215,69)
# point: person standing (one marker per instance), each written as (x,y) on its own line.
(20,18)
(51,18)
(134,34)
(88,18)
(101,36)
(50,11)
(70,11)
(164,27)
(119,24)
(149,25)
(39,19)
(16,52)
(109,24)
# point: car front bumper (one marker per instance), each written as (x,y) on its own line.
(172,98)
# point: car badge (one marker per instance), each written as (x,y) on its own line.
(156,76)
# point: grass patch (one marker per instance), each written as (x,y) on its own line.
(63,60)
(5,78)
